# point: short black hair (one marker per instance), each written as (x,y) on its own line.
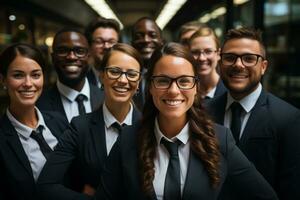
(65,30)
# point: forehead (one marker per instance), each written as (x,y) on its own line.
(173,66)
(123,60)
(146,25)
(203,42)
(70,39)
(241,45)
(105,33)
(21,63)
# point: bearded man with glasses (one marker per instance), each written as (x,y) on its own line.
(72,94)
(265,127)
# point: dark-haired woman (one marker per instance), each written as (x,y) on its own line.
(83,149)
(178,152)
(27,135)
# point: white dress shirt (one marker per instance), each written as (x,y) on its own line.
(31,147)
(211,93)
(111,134)
(247,103)
(162,158)
(68,96)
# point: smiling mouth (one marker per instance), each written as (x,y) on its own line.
(27,93)
(173,102)
(72,68)
(121,89)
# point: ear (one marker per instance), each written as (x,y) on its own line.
(264,66)
(218,54)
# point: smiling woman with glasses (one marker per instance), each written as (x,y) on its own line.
(87,144)
(177,152)
(205,48)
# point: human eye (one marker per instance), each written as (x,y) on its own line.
(114,71)
(162,81)
(208,51)
(36,75)
(132,74)
(185,81)
(61,50)
(153,34)
(249,58)
(195,52)
(80,51)
(18,75)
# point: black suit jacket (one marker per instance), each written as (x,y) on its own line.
(50,100)
(120,179)
(221,89)
(16,178)
(271,140)
(82,150)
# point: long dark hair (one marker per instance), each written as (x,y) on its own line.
(202,139)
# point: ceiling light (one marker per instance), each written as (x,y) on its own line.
(213,15)
(238,2)
(101,7)
(168,11)
(12,17)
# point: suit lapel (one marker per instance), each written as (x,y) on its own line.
(98,134)
(51,124)
(96,96)
(258,116)
(15,144)
(196,180)
(56,101)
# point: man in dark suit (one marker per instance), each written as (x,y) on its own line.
(102,34)
(72,95)
(16,175)
(146,37)
(265,127)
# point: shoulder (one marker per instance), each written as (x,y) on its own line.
(224,138)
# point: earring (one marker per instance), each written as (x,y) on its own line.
(102,87)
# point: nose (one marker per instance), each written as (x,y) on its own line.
(239,63)
(123,78)
(107,45)
(27,81)
(71,55)
(201,56)
(147,38)
(173,89)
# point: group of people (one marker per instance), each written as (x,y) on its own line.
(150,120)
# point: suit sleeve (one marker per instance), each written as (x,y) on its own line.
(51,180)
(243,180)
(289,156)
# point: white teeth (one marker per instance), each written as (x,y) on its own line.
(121,89)
(72,68)
(27,93)
(173,102)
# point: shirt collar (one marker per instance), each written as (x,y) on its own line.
(183,135)
(70,93)
(23,130)
(248,102)
(211,93)
(109,119)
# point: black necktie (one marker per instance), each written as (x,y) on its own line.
(117,126)
(172,190)
(79,99)
(37,135)
(236,111)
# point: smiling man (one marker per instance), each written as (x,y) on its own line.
(265,127)
(72,95)
(146,37)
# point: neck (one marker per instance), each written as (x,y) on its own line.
(25,115)
(118,110)
(207,83)
(170,127)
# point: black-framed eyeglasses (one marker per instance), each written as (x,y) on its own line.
(101,43)
(115,73)
(248,59)
(206,52)
(79,52)
(182,82)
